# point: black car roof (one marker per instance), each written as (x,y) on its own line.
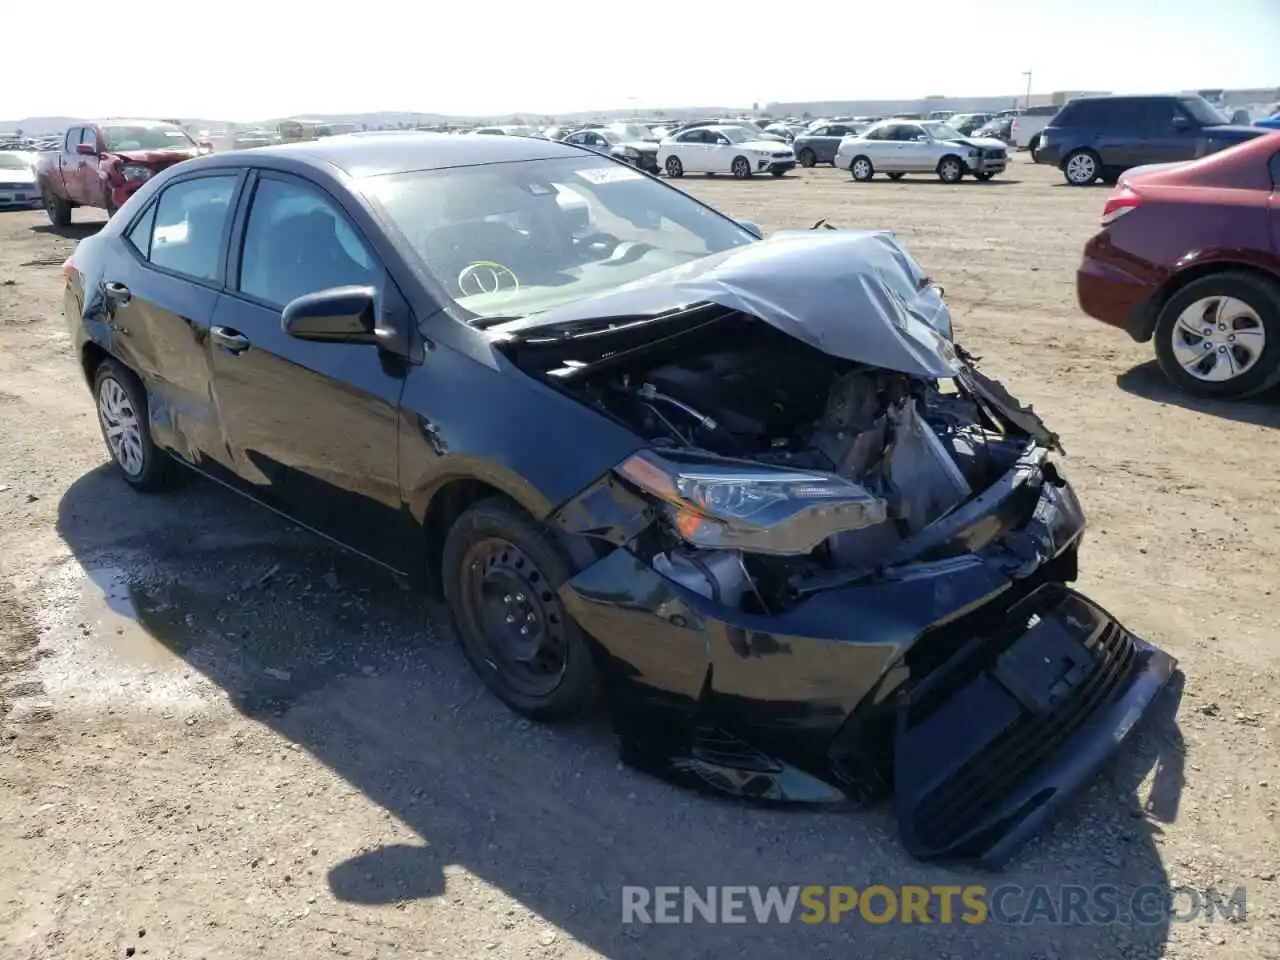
(371,155)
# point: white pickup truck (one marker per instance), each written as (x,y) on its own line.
(1027,125)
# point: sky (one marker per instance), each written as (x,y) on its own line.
(246,60)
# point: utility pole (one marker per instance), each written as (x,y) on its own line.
(1027,74)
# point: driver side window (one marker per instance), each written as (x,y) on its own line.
(297,241)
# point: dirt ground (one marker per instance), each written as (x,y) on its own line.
(222,738)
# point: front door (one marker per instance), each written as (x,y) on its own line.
(312,426)
(160,296)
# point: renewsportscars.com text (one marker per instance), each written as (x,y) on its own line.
(972,904)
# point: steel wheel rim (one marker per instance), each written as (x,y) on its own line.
(1217,339)
(950,170)
(861,168)
(121,426)
(1081,168)
(514,613)
(741,168)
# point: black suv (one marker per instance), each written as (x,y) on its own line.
(1096,137)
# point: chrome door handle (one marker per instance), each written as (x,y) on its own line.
(233,341)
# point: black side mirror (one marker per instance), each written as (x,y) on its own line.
(1181,123)
(337,315)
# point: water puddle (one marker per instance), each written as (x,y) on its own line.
(112,612)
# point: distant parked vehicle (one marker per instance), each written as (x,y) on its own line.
(638,153)
(968,123)
(102,164)
(17,180)
(1189,255)
(1103,136)
(724,149)
(1269,123)
(509,130)
(1001,128)
(899,147)
(820,145)
(1027,124)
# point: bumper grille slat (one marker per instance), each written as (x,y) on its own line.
(958,805)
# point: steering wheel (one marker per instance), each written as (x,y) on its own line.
(487,276)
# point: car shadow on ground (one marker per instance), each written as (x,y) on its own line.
(74,231)
(1146,381)
(335,656)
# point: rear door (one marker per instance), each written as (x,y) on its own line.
(76,167)
(828,141)
(312,426)
(163,284)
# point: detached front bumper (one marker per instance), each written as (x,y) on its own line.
(977,688)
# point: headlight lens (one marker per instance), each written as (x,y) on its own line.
(756,509)
(135,171)
(974,154)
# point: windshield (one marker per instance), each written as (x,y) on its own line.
(942,131)
(146,138)
(512,239)
(1202,111)
(12,161)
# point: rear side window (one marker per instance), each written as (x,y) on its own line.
(188,225)
(298,242)
(139,234)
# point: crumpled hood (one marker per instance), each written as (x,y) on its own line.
(853,294)
(982,143)
(152,158)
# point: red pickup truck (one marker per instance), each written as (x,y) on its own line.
(100,164)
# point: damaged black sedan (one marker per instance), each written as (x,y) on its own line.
(746,493)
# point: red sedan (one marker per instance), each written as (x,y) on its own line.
(1189,254)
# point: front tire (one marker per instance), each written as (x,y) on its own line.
(675,169)
(862,169)
(126,429)
(740,168)
(59,210)
(1219,336)
(1081,168)
(950,169)
(807,158)
(501,570)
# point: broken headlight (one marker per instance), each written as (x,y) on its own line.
(728,505)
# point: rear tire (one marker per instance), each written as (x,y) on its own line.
(984,177)
(502,569)
(59,210)
(1035,148)
(1180,334)
(126,430)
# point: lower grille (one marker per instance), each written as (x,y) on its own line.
(959,804)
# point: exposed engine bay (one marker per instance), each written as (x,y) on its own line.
(920,448)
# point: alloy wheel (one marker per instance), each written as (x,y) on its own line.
(741,169)
(861,169)
(1217,339)
(1082,169)
(121,426)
